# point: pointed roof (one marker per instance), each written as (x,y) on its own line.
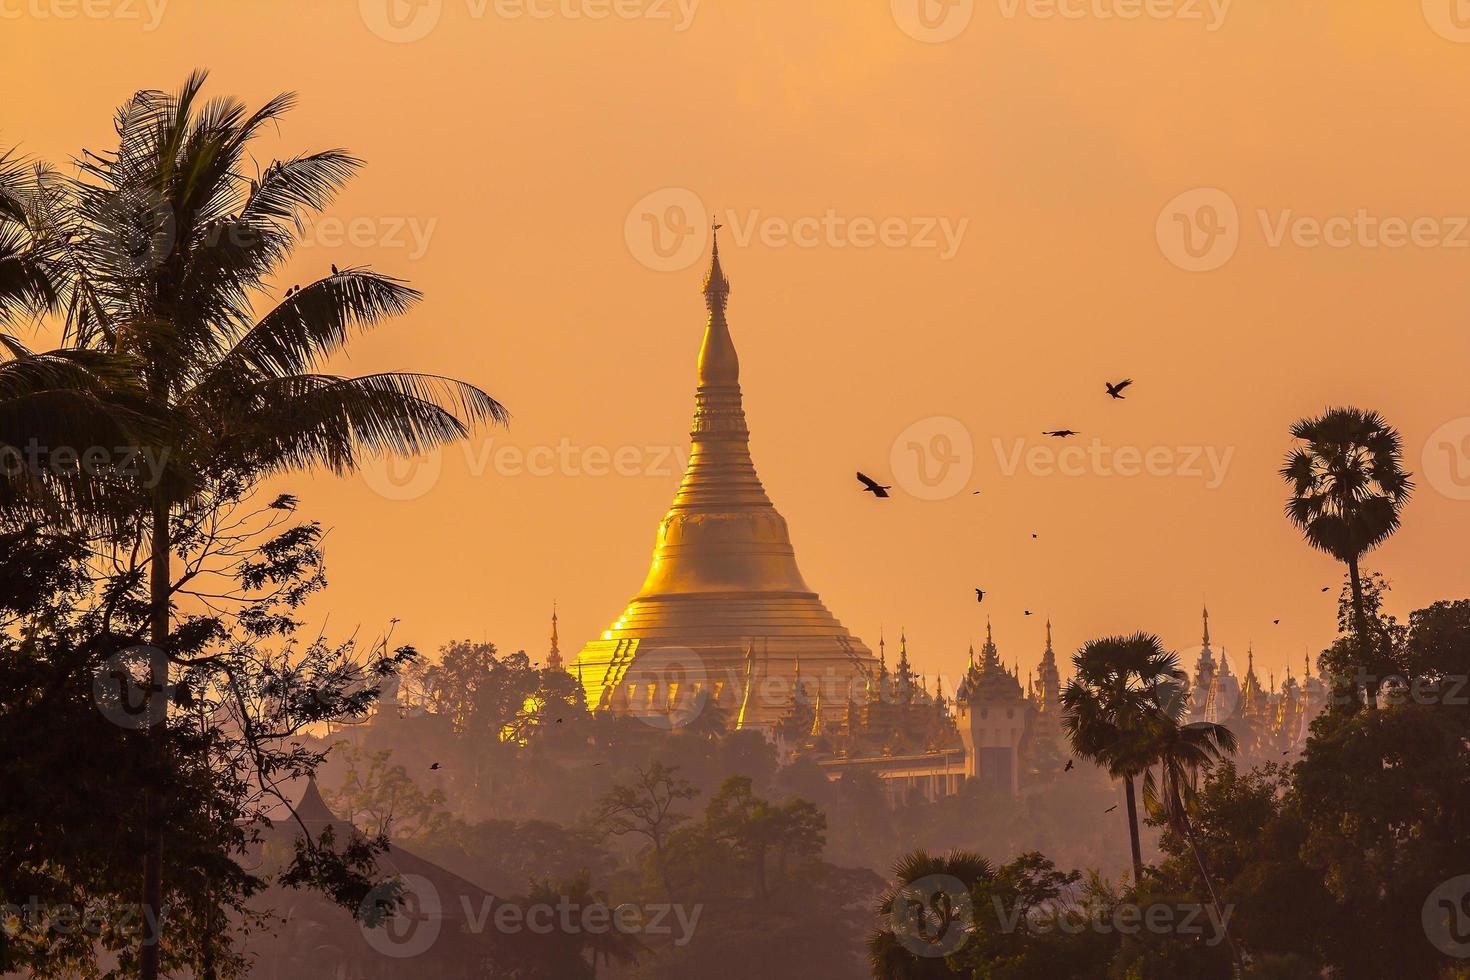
(723,569)
(553,658)
(718,362)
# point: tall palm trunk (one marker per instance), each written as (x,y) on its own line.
(1133,831)
(1360,622)
(156,712)
(1204,873)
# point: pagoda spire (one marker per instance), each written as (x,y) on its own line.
(904,673)
(553,659)
(1205,642)
(718,362)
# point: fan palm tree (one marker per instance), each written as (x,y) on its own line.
(924,894)
(1107,706)
(1348,486)
(1180,752)
(173,247)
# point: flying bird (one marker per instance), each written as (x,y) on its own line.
(1111,808)
(435,766)
(1033,536)
(873,486)
(1061,433)
(1275,622)
(979,595)
(1028,612)
(1326,588)
(1116,389)
(1068,767)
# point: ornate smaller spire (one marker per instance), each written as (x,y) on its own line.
(553,659)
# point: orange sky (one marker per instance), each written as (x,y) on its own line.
(518,148)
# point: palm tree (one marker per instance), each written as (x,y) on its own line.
(173,246)
(926,895)
(52,399)
(1106,708)
(1180,751)
(1348,486)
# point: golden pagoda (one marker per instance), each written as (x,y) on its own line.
(724,614)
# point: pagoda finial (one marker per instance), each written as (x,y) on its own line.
(1206,641)
(1048,635)
(716,286)
(719,365)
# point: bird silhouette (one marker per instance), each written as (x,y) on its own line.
(1068,766)
(1116,389)
(873,486)
(1061,433)
(979,595)
(1275,622)
(1033,535)
(1028,612)
(334,269)
(1111,808)
(435,766)
(1326,588)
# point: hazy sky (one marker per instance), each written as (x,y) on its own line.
(977,215)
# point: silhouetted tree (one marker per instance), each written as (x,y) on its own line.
(1107,706)
(645,806)
(1348,486)
(172,246)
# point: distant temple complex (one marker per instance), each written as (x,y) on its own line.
(725,630)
